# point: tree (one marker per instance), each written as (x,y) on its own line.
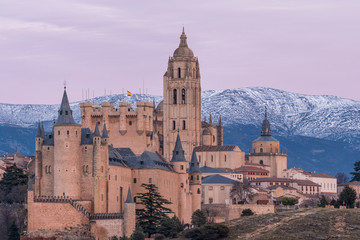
(242,191)
(289,201)
(14,232)
(137,235)
(247,212)
(170,227)
(348,197)
(332,202)
(198,218)
(356,173)
(149,217)
(323,202)
(13,179)
(341,177)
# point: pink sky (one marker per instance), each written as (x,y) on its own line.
(304,46)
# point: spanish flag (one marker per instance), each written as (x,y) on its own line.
(129,93)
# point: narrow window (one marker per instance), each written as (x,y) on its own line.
(175,97)
(211,200)
(212,158)
(225,158)
(261,162)
(67,132)
(213,138)
(191,178)
(197,177)
(174,125)
(134,180)
(66,112)
(183,96)
(58,132)
(182,167)
(184,125)
(130,123)
(261,150)
(198,191)
(150,180)
(179,72)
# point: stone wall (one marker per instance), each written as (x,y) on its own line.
(223,212)
(105,228)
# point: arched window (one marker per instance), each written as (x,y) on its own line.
(198,191)
(174,125)
(183,96)
(184,125)
(261,162)
(175,97)
(179,72)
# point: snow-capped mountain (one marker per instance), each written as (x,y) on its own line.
(320,132)
(327,117)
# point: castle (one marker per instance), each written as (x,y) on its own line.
(87,175)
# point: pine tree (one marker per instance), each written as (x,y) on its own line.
(13,232)
(13,176)
(348,197)
(356,174)
(149,217)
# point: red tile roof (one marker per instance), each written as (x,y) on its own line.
(305,182)
(250,169)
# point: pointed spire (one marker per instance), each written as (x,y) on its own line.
(104,132)
(178,152)
(42,130)
(210,119)
(65,113)
(220,122)
(96,132)
(183,42)
(265,131)
(194,164)
(129,198)
(38,133)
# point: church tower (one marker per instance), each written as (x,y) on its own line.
(182,100)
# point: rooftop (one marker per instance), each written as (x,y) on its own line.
(217,179)
(215,148)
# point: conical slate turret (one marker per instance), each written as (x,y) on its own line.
(129,198)
(38,133)
(97,131)
(194,164)
(178,152)
(104,132)
(65,113)
(265,131)
(42,130)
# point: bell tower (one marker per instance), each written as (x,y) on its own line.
(182,100)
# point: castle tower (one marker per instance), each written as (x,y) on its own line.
(129,215)
(182,100)
(178,157)
(266,150)
(67,139)
(39,139)
(195,182)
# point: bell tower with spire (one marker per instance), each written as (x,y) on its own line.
(266,150)
(182,100)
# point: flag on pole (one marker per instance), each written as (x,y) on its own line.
(129,93)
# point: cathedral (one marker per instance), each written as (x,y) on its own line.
(87,175)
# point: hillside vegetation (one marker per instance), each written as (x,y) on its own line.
(318,223)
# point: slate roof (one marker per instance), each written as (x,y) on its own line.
(65,113)
(129,198)
(250,169)
(86,136)
(217,179)
(125,157)
(265,138)
(207,169)
(97,131)
(104,132)
(38,133)
(49,139)
(194,164)
(214,148)
(178,152)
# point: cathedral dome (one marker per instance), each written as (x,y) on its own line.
(160,107)
(206,132)
(183,50)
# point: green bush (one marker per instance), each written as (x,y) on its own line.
(289,201)
(247,212)
(170,227)
(198,218)
(137,235)
(323,202)
(215,231)
(194,234)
